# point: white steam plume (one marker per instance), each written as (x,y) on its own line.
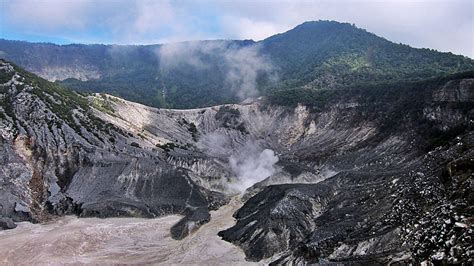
(242,65)
(216,145)
(248,163)
(173,55)
(250,166)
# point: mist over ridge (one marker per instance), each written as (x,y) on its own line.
(314,55)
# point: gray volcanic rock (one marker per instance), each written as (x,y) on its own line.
(60,158)
(364,215)
(381,187)
(277,218)
(6,223)
(351,180)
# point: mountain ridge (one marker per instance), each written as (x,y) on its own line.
(321,54)
(307,23)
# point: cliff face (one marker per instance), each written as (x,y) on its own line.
(58,157)
(352,180)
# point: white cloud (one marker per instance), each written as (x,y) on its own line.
(152,16)
(47,14)
(444,25)
(246,28)
(175,54)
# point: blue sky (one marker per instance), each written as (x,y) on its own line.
(442,25)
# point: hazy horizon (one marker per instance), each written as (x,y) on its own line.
(446,26)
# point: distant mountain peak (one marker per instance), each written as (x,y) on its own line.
(315,54)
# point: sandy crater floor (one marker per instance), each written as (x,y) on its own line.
(120,240)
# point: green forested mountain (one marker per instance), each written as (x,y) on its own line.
(314,55)
(328,54)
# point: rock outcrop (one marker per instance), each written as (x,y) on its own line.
(6,223)
(59,158)
(355,179)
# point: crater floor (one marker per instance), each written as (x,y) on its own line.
(120,240)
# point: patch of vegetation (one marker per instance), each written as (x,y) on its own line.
(6,103)
(167,147)
(5,77)
(62,103)
(225,112)
(193,130)
(242,129)
(60,100)
(229,118)
(103,104)
(400,107)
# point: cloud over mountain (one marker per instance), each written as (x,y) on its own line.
(144,21)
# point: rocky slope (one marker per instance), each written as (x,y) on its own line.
(352,180)
(58,157)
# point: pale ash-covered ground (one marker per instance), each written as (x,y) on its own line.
(219,138)
(120,240)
